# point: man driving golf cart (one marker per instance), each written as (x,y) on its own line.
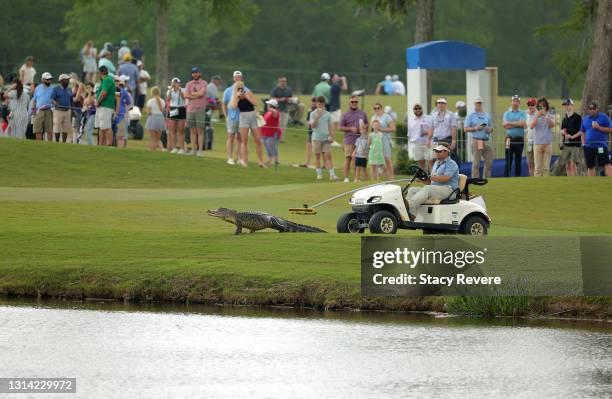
(443,180)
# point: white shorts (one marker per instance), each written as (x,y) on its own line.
(336,116)
(420,152)
(104,118)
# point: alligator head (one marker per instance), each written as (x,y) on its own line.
(229,215)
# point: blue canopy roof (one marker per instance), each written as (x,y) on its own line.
(445,54)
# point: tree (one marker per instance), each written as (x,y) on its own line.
(598,83)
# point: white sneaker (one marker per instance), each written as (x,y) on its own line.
(164,150)
(181,152)
(335,144)
(200,154)
(346,180)
(174,151)
(230,161)
(192,152)
(243,164)
(334,178)
(319,177)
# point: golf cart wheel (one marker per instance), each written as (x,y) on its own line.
(383,222)
(474,226)
(349,223)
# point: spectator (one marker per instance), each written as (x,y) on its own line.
(124,103)
(89,105)
(27,73)
(337,87)
(122,52)
(376,145)
(420,131)
(444,179)
(572,138)
(480,125)
(41,106)
(18,100)
(77,106)
(105,106)
(398,87)
(137,51)
(351,124)
(155,120)
(246,102)
(176,117)
(387,127)
(89,53)
(232,120)
(195,93)
(323,89)
(595,129)
(320,122)
(296,111)
(361,156)
(271,131)
(514,122)
(444,126)
(313,106)
(212,93)
(143,83)
(385,87)
(542,123)
(282,94)
(62,102)
(530,116)
(128,68)
(105,61)
(392,114)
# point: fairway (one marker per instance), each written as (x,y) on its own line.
(131,224)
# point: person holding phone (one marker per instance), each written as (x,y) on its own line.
(246,103)
(479,124)
(515,122)
(596,128)
(176,117)
(542,151)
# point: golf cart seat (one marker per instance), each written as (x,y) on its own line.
(454,196)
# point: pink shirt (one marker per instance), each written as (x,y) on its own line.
(196,104)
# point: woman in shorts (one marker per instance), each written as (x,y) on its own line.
(246,102)
(176,117)
(155,119)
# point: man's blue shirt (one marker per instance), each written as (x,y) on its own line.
(476,119)
(595,138)
(447,167)
(515,116)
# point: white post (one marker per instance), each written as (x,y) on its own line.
(416,91)
(477,83)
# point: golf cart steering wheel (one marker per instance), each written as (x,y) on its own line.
(418,172)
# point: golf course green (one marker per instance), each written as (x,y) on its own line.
(90,222)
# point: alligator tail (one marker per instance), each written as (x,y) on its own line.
(291,227)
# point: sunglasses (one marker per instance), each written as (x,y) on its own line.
(376,108)
(416,108)
(438,151)
(354,102)
(592,109)
(540,108)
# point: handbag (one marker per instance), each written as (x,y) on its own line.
(260,121)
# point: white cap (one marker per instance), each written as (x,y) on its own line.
(441,100)
(459,104)
(237,73)
(122,78)
(388,77)
(272,102)
(388,109)
(441,147)
(395,77)
(175,79)
(46,75)
(63,76)
(478,99)
(325,76)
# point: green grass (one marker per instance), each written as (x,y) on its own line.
(129,224)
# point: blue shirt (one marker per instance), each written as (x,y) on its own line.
(131,70)
(63,96)
(476,119)
(232,113)
(388,86)
(594,137)
(447,167)
(543,132)
(124,101)
(515,116)
(42,96)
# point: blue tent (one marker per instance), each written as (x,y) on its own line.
(445,54)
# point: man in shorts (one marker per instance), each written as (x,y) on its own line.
(105,106)
(195,91)
(62,115)
(351,124)
(320,122)
(41,106)
(232,120)
(338,85)
(595,129)
(420,131)
(572,138)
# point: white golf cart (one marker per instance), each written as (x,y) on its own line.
(382,209)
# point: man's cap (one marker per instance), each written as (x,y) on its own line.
(121,78)
(593,104)
(442,146)
(388,109)
(103,68)
(272,103)
(441,100)
(195,69)
(532,101)
(325,76)
(46,75)
(127,57)
(175,79)
(124,42)
(516,98)
(63,76)
(237,73)
(567,101)
(459,104)
(478,99)
(395,77)
(387,77)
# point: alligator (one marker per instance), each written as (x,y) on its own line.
(254,221)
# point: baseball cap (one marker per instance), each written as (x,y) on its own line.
(441,100)
(175,79)
(127,57)
(387,77)
(195,69)
(46,75)
(273,103)
(442,146)
(121,78)
(478,99)
(593,104)
(63,76)
(567,101)
(516,97)
(325,76)
(237,73)
(532,101)
(459,104)
(388,109)
(124,42)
